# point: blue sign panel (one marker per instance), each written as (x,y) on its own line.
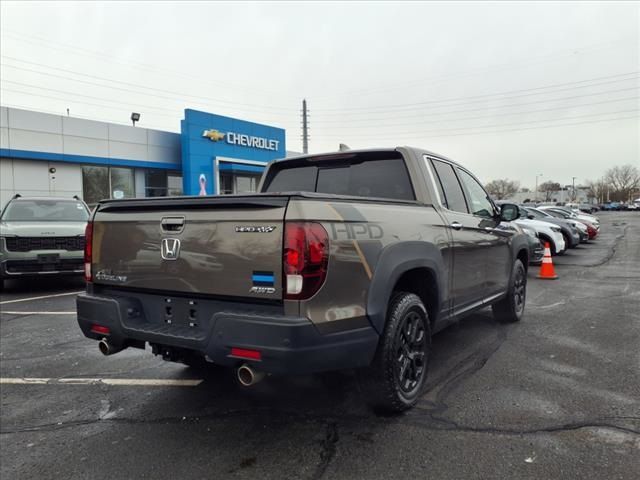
(206,136)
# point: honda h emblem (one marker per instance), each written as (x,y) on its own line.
(170,248)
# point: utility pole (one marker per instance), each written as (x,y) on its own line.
(536,197)
(305,128)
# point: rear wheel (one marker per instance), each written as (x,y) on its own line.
(395,379)
(511,308)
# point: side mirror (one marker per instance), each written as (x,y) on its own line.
(509,212)
(531,217)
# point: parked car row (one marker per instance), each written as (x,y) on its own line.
(561,227)
(621,206)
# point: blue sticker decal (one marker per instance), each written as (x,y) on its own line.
(266,279)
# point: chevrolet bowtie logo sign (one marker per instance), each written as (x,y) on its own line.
(213,135)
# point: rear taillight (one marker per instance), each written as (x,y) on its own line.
(306,255)
(88,240)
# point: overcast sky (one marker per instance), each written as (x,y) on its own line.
(473,81)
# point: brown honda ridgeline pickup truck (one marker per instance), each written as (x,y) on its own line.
(348,260)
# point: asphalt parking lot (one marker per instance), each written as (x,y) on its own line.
(555,396)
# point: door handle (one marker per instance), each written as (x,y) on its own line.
(172,224)
(456,225)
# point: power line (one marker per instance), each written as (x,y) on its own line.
(347,111)
(479,98)
(46,42)
(175,116)
(431,113)
(440,78)
(136,85)
(110,100)
(520,129)
(503,114)
(126,90)
(77,115)
(177,113)
(423,132)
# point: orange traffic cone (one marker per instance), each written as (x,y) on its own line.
(546,268)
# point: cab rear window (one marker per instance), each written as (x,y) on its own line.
(377,178)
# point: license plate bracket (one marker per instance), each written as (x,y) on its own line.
(48,258)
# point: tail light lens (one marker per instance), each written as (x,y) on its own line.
(306,255)
(88,240)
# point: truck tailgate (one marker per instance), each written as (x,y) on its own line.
(226,246)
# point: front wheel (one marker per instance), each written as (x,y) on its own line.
(395,379)
(511,308)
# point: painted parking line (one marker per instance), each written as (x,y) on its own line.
(38,313)
(6,302)
(137,382)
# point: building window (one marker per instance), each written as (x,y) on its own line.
(174,184)
(95,184)
(155,183)
(99,183)
(122,183)
(238,183)
(160,183)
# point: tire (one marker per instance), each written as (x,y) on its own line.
(511,308)
(568,242)
(396,377)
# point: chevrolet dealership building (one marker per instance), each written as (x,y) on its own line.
(52,155)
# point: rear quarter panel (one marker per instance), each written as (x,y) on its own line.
(359,233)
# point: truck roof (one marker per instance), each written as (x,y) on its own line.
(348,153)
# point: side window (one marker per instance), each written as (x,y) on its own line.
(478,199)
(450,188)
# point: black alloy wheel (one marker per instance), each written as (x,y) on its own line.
(519,291)
(395,379)
(410,352)
(511,308)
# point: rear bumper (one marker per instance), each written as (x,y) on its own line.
(288,345)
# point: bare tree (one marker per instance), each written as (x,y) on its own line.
(502,188)
(597,189)
(548,188)
(622,180)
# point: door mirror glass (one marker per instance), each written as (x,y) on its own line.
(509,212)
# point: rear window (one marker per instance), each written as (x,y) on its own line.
(45,211)
(380,178)
(301,179)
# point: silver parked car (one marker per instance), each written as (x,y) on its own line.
(42,236)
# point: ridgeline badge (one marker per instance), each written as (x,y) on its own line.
(255,228)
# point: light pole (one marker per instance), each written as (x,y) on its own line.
(573,189)
(536,198)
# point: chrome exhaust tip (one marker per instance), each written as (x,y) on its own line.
(107,348)
(247,376)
